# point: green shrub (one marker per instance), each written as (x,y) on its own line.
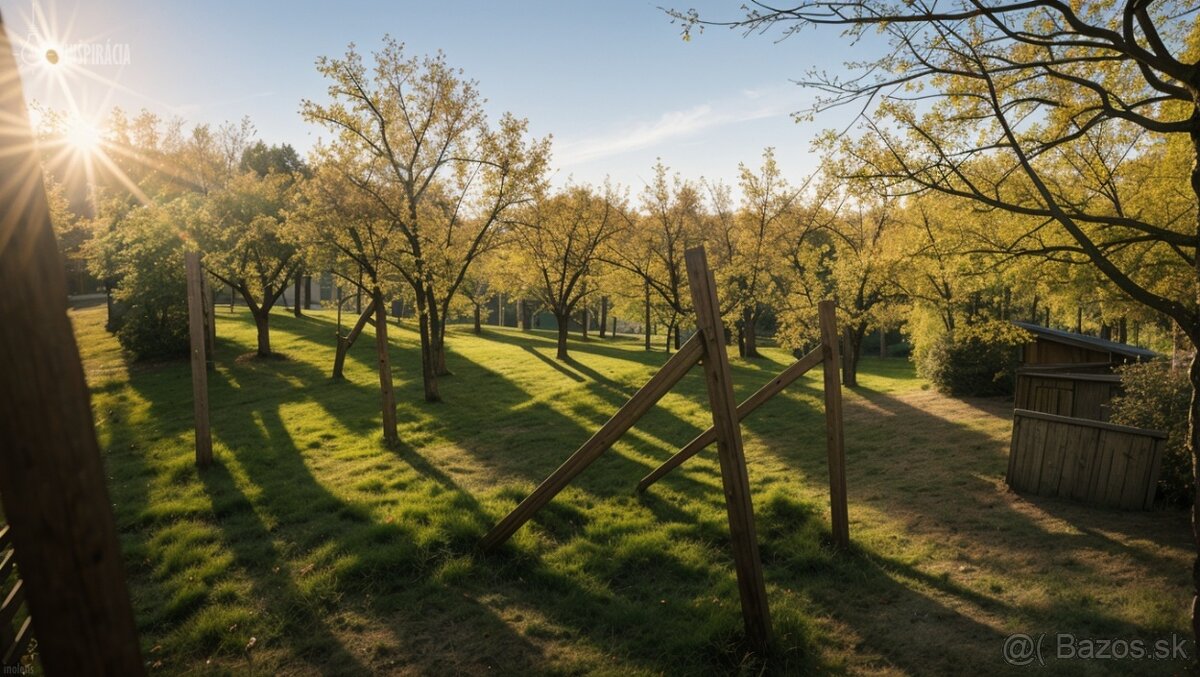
(143,250)
(1157,397)
(979,359)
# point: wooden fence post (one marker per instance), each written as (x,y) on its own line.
(210,320)
(195,301)
(52,480)
(834,442)
(719,380)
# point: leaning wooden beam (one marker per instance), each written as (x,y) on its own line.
(52,480)
(834,442)
(719,380)
(773,387)
(683,360)
(198,334)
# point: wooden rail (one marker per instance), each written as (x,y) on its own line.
(680,363)
(771,389)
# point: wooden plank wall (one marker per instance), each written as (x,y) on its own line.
(16,628)
(1066,394)
(1085,460)
(1045,351)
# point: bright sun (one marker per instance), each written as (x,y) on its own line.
(82,136)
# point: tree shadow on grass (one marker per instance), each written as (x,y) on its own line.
(318,562)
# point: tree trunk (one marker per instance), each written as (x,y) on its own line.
(428,368)
(262,322)
(741,338)
(676,331)
(478,320)
(387,394)
(437,328)
(307,292)
(851,350)
(614,328)
(563,321)
(297,295)
(749,319)
(359,293)
(344,342)
(646,326)
(603,315)
(583,323)
(1194,448)
(109,325)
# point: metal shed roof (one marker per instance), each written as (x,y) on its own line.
(1088,342)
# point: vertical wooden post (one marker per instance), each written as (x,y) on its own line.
(52,480)
(210,319)
(834,443)
(719,380)
(195,302)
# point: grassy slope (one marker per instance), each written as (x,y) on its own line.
(338,555)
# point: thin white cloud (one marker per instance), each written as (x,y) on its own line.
(754,104)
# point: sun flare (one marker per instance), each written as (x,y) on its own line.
(82,136)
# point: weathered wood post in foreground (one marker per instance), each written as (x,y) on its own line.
(719,380)
(198,335)
(834,441)
(51,475)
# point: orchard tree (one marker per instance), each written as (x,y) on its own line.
(1047,109)
(669,223)
(768,211)
(424,158)
(843,249)
(340,227)
(245,246)
(557,244)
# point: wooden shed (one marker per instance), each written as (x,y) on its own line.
(1062,443)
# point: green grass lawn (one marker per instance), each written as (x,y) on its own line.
(309,547)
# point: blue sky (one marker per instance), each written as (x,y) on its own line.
(612,81)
